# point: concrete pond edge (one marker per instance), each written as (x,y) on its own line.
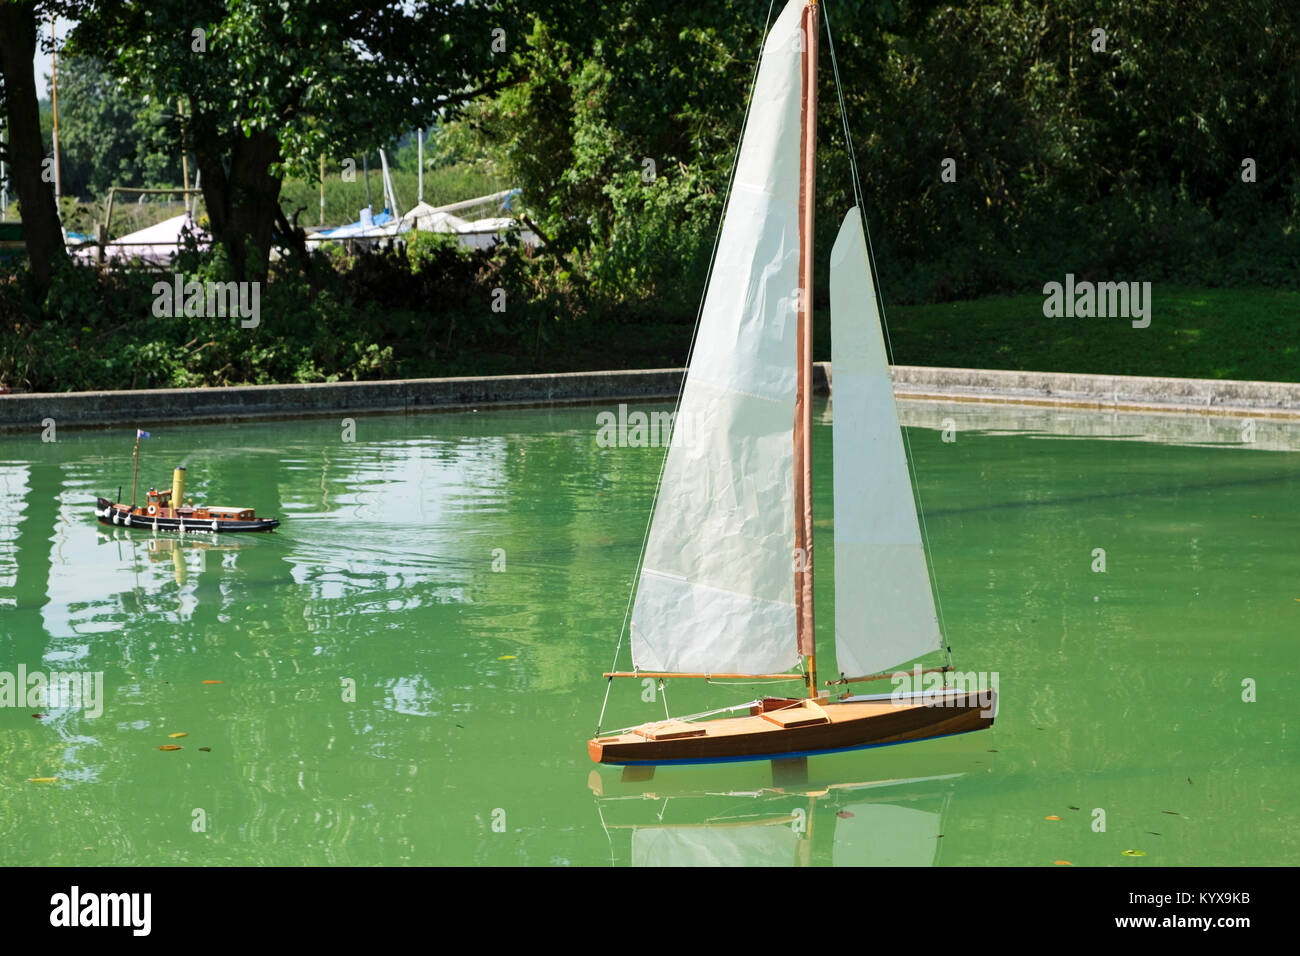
(29,411)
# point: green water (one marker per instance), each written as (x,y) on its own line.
(467,575)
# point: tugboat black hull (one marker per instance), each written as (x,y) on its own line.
(107,513)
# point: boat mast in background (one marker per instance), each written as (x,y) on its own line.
(803,485)
(54,97)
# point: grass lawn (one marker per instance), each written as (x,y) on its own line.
(1194,333)
(1249,334)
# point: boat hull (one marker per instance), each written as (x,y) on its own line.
(851,724)
(108,513)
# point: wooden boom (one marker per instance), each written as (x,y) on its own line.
(859,680)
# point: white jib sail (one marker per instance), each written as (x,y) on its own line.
(716,593)
(884,609)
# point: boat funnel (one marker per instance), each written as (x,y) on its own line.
(178,486)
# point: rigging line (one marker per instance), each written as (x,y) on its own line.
(601,814)
(695,332)
(889,345)
(702,714)
(844,115)
(609,685)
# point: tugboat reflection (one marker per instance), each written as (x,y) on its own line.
(183,554)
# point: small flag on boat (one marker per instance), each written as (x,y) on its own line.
(139,433)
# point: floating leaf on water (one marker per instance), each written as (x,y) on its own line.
(170,747)
(506,657)
(212,682)
(41,779)
(206,749)
(1051,818)
(178,734)
(844,814)
(1135,852)
(1062,863)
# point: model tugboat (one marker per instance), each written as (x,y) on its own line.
(166,510)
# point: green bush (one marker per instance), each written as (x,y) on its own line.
(423,309)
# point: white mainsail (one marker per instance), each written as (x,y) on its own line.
(884,609)
(716,592)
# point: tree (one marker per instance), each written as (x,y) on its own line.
(108,137)
(269,86)
(1141,134)
(23,148)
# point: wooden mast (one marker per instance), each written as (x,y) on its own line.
(803,486)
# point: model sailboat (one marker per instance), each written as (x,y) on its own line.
(726,583)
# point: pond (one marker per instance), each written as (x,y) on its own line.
(408,669)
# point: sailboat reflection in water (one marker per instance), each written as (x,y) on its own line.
(876,823)
(725,587)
